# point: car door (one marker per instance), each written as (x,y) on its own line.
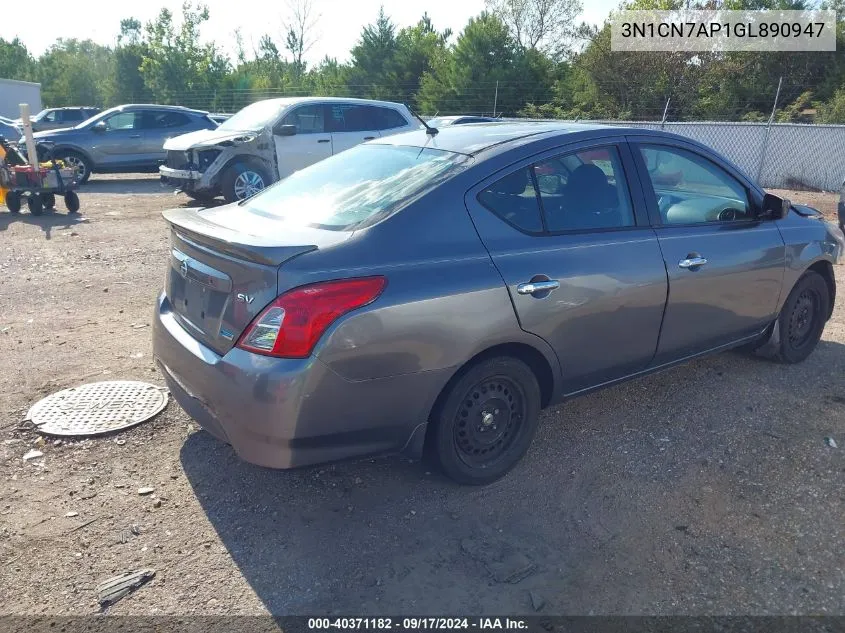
(570,236)
(725,266)
(158,127)
(121,141)
(311,143)
(352,124)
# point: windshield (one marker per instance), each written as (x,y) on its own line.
(356,188)
(254,117)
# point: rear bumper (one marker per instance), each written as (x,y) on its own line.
(283,413)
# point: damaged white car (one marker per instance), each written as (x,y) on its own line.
(271,139)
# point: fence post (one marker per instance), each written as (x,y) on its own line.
(766,135)
(665,112)
(496,99)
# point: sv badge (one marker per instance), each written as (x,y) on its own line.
(244,298)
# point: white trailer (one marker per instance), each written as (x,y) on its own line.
(14,92)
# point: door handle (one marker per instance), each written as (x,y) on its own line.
(134,136)
(369,138)
(533,287)
(692,262)
(323,140)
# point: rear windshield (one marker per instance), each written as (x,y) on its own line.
(356,188)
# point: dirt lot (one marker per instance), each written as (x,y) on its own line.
(707,489)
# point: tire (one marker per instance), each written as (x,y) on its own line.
(72,202)
(75,159)
(34,204)
(48,200)
(802,318)
(243,180)
(13,201)
(199,196)
(486,420)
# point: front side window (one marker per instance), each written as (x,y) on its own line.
(308,119)
(51,117)
(690,189)
(585,190)
(123,121)
(357,187)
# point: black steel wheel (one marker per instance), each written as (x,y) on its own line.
(803,317)
(34,204)
(48,200)
(13,201)
(72,202)
(486,421)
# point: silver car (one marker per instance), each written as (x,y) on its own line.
(434,291)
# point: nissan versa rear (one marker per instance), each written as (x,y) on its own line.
(432,292)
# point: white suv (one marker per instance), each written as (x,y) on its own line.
(271,139)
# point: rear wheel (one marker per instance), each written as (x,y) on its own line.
(13,201)
(802,318)
(487,420)
(34,204)
(243,180)
(72,202)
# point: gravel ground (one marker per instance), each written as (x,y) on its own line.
(707,489)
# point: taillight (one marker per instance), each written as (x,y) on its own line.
(292,324)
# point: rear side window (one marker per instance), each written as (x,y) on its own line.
(514,199)
(690,189)
(348,117)
(584,191)
(390,118)
(163,120)
(72,116)
(308,119)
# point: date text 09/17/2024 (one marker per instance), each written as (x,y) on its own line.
(416,624)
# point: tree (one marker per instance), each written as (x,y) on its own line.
(76,73)
(15,60)
(177,68)
(127,81)
(373,58)
(833,110)
(299,32)
(547,26)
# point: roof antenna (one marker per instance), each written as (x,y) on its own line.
(431,131)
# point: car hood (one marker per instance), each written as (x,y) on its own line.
(208,138)
(47,135)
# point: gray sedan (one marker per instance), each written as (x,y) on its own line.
(432,292)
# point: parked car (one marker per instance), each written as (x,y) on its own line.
(271,139)
(55,118)
(9,130)
(442,121)
(841,207)
(124,138)
(419,292)
(218,118)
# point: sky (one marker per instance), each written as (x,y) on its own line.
(338,28)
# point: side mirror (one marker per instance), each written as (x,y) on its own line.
(774,207)
(284,130)
(99,126)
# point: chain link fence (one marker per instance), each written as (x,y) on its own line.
(776,155)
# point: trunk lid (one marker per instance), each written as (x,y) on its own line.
(224,265)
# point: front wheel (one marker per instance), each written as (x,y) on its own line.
(81,164)
(487,420)
(243,180)
(13,201)
(802,318)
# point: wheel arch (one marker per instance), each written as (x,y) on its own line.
(531,356)
(66,147)
(824,268)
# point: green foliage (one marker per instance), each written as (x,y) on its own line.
(516,55)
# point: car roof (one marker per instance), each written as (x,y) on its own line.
(472,139)
(295,100)
(502,136)
(154,106)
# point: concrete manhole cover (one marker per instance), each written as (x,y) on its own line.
(97,408)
